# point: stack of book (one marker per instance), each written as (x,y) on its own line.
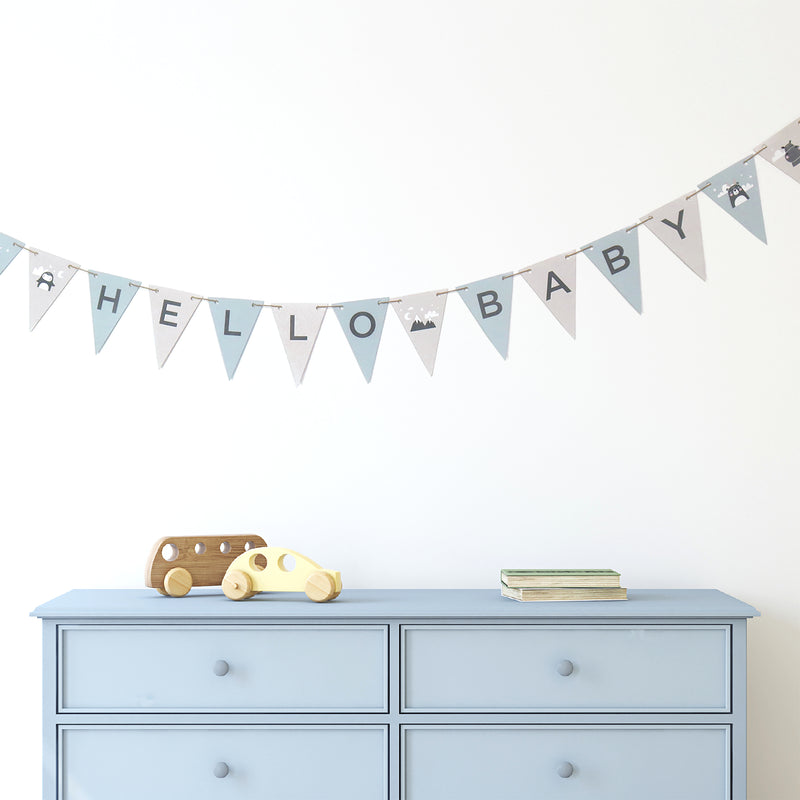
(561,584)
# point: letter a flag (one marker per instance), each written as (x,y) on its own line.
(362,323)
(48,276)
(298,326)
(735,189)
(422,315)
(554,281)
(9,250)
(783,150)
(677,225)
(617,257)
(110,296)
(489,301)
(234,321)
(171,311)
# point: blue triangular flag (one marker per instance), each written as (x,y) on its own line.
(234,321)
(617,257)
(489,301)
(9,250)
(362,323)
(110,296)
(735,189)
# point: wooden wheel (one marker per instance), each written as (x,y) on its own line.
(177,582)
(320,587)
(237,585)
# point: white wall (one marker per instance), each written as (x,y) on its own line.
(323,151)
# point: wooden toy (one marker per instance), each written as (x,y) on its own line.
(269,569)
(177,563)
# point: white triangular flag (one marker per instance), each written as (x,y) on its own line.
(677,225)
(172,310)
(298,326)
(554,281)
(782,150)
(422,315)
(48,276)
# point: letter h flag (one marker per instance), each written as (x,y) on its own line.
(617,257)
(110,296)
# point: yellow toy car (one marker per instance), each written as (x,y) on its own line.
(276,569)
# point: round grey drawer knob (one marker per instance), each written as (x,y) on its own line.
(221,769)
(221,667)
(565,770)
(565,667)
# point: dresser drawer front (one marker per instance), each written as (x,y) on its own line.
(286,762)
(607,762)
(266,668)
(514,668)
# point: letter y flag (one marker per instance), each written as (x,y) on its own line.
(617,257)
(489,301)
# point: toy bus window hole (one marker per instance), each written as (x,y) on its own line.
(199,548)
(248,545)
(225,547)
(286,562)
(169,552)
(258,562)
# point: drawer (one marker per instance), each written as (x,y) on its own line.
(286,762)
(601,762)
(614,668)
(266,668)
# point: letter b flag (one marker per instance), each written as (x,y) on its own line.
(617,257)
(489,301)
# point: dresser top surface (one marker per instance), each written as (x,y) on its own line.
(210,603)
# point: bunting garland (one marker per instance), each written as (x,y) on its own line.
(676,224)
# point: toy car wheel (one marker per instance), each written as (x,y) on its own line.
(320,587)
(177,582)
(237,585)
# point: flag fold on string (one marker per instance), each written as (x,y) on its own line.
(10,248)
(171,310)
(554,281)
(617,257)
(489,301)
(362,323)
(234,321)
(677,225)
(48,277)
(298,326)
(422,317)
(782,150)
(110,296)
(735,190)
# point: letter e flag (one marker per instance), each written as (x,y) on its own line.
(171,311)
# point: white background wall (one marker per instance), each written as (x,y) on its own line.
(322,151)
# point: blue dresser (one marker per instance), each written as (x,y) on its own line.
(390,695)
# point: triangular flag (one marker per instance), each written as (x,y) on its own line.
(48,276)
(234,321)
(172,310)
(554,281)
(362,323)
(617,257)
(677,225)
(298,326)
(782,149)
(422,315)
(9,250)
(489,301)
(110,296)
(735,189)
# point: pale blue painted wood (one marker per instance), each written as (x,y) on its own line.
(285,762)
(613,668)
(270,668)
(608,763)
(387,604)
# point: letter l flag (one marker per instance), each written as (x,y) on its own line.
(234,321)
(489,301)
(110,296)
(617,257)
